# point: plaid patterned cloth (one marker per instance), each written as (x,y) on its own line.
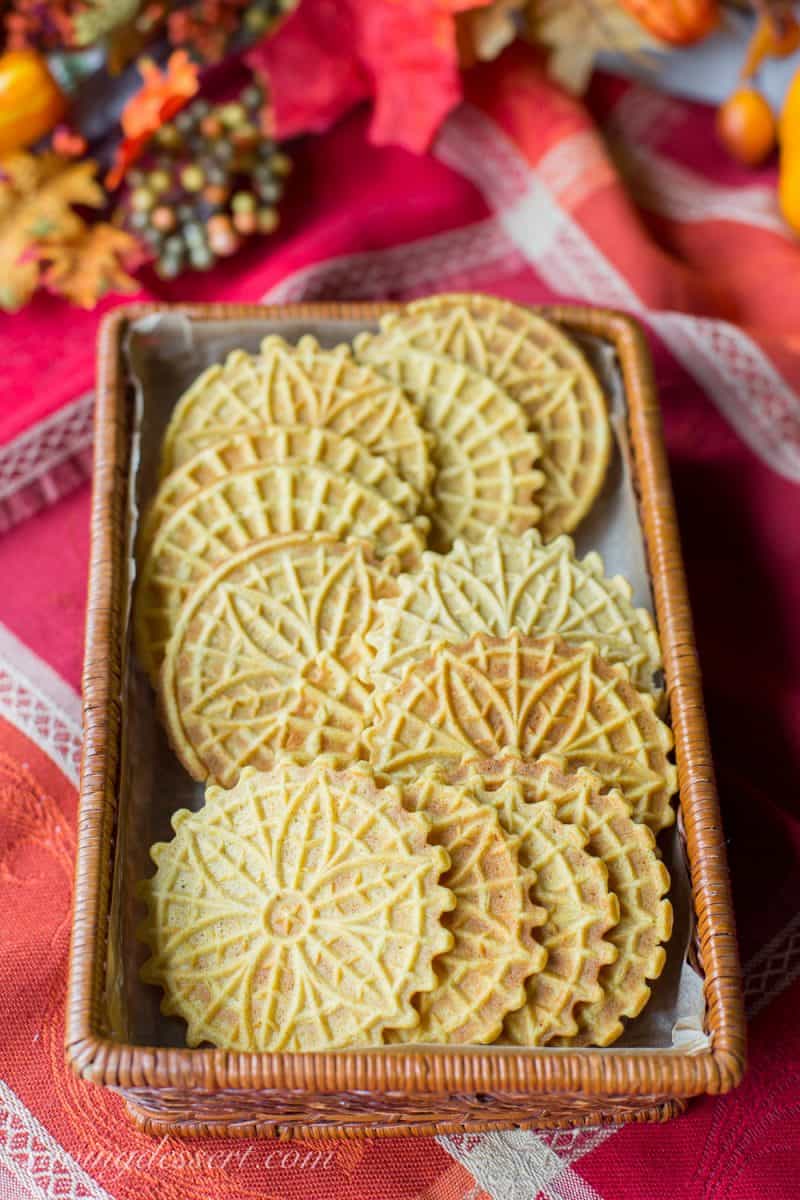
(625,202)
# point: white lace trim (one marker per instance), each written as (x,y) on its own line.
(740,379)
(640,121)
(683,195)
(40,704)
(35,1160)
(37,451)
(471,254)
(575,167)
(735,372)
(520,1165)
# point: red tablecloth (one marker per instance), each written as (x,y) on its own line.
(525,195)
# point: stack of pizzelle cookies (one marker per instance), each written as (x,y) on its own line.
(432,736)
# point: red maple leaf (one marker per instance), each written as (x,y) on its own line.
(330,54)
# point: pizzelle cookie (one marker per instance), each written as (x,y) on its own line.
(265,654)
(277,444)
(482,976)
(572,886)
(540,368)
(253,504)
(505,583)
(299,911)
(533,696)
(299,385)
(484,455)
(636,876)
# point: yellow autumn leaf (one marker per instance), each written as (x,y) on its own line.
(37,194)
(484,32)
(91,262)
(576,30)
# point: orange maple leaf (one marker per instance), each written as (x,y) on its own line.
(162,94)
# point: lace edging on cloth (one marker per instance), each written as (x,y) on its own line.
(40,704)
(46,462)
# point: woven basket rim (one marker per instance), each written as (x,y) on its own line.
(610,1072)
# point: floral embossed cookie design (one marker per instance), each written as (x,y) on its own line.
(299,911)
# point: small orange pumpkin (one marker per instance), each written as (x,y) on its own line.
(676,21)
(31,102)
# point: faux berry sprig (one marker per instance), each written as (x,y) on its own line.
(209,179)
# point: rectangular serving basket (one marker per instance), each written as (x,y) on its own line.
(204,1092)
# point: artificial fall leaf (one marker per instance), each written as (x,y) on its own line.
(484,32)
(91,262)
(312,68)
(576,30)
(162,94)
(37,195)
(330,54)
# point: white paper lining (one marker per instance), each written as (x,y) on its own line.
(165,353)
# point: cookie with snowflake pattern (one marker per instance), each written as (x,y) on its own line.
(535,697)
(505,583)
(301,910)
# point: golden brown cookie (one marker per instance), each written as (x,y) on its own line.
(572,886)
(505,583)
(533,696)
(265,654)
(539,367)
(233,512)
(299,911)
(299,385)
(482,976)
(276,444)
(636,876)
(485,457)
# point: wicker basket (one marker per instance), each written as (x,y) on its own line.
(206,1091)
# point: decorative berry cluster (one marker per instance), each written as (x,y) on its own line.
(211,179)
